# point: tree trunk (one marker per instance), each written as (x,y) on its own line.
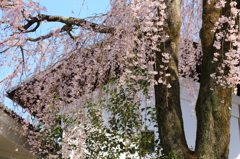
(169,114)
(214,101)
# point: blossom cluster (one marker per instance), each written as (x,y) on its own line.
(227,44)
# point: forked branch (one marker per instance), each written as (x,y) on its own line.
(70,21)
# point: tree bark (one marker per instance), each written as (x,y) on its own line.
(214,101)
(213,108)
(169,114)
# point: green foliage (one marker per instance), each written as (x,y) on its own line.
(171,155)
(51,135)
(118,119)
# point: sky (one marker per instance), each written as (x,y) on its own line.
(68,8)
(73,8)
(81,8)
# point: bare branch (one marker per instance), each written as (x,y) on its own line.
(68,29)
(71,36)
(4,21)
(65,28)
(39,38)
(4,50)
(69,21)
(9,5)
(22,51)
(42,37)
(34,29)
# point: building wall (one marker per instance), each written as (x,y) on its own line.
(12,144)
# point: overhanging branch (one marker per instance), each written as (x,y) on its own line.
(40,37)
(70,21)
(63,29)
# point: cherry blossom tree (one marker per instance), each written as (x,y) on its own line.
(87,82)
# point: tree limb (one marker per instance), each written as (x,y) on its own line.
(4,50)
(34,29)
(63,29)
(40,37)
(69,21)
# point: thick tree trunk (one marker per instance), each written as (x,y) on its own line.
(214,101)
(169,114)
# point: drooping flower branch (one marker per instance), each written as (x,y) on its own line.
(100,71)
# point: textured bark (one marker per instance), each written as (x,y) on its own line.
(169,114)
(213,106)
(212,109)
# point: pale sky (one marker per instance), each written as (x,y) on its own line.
(84,7)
